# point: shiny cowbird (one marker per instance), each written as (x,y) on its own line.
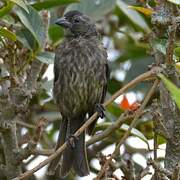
(80,81)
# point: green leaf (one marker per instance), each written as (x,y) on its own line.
(114,109)
(134,16)
(93,8)
(33,22)
(8,34)
(21,3)
(46,57)
(55,33)
(177,51)
(5,9)
(27,39)
(51,3)
(174,90)
(135,132)
(175,1)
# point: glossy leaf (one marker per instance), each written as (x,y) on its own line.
(51,3)
(94,8)
(46,57)
(21,3)
(33,22)
(174,90)
(132,15)
(8,34)
(27,39)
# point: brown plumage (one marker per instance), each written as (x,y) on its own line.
(81,74)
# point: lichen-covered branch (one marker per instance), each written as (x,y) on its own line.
(165,22)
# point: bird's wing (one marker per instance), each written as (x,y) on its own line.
(105,84)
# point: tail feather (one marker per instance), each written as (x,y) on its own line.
(61,139)
(80,163)
(71,157)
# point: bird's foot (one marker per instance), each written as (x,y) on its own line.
(71,141)
(100,110)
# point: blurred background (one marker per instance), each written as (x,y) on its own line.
(124,30)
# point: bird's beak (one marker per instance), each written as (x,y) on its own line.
(63,22)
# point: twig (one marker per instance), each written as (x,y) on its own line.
(26,152)
(43,152)
(94,139)
(159,169)
(133,123)
(110,129)
(132,83)
(25,124)
(145,172)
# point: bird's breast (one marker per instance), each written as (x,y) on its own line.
(83,77)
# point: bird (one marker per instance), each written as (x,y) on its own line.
(80,83)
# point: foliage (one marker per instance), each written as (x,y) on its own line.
(28,35)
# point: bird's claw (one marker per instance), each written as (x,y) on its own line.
(100,110)
(71,141)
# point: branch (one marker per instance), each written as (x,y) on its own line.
(133,124)
(10,145)
(27,151)
(110,129)
(95,138)
(140,78)
(170,44)
(24,124)
(144,172)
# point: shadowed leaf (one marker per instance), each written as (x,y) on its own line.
(51,3)
(33,22)
(94,8)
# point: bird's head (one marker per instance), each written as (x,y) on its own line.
(77,24)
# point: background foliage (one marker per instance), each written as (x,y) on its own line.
(28,34)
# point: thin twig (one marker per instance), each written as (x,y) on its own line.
(140,78)
(110,129)
(27,151)
(133,124)
(157,167)
(155,152)
(27,125)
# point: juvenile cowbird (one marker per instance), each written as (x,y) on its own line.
(80,80)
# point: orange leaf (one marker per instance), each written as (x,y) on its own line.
(146,11)
(124,103)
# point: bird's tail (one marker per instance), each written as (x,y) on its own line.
(76,156)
